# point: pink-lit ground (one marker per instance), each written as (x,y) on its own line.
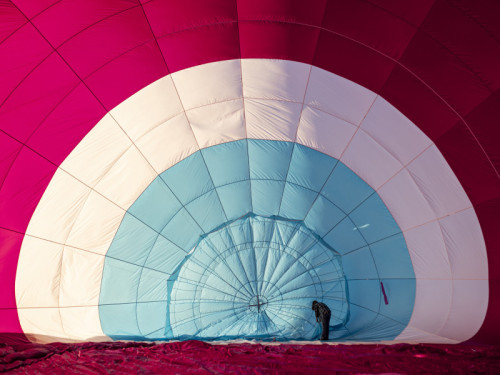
(195,357)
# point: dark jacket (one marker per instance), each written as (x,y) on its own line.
(320,310)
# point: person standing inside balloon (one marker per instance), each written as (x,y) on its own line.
(323,315)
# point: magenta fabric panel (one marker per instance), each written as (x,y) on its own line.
(467,159)
(412,11)
(26,50)
(444,72)
(200,46)
(418,102)
(21,191)
(74,17)
(8,153)
(66,125)
(278,40)
(11,242)
(309,12)
(168,17)
(480,121)
(484,13)
(12,19)
(369,25)
(32,8)
(124,76)
(36,96)
(472,43)
(106,40)
(352,60)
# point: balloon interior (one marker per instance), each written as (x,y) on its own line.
(207,169)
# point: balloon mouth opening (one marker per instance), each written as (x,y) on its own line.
(256,277)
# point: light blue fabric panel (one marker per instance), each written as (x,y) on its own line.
(266,196)
(207,211)
(124,291)
(151,319)
(400,294)
(315,257)
(165,256)
(296,201)
(240,233)
(152,286)
(301,241)
(345,237)
(310,169)
(365,293)
(189,179)
(380,328)
(262,230)
(247,259)
(217,240)
(182,230)
(119,321)
(359,264)
(346,189)
(359,321)
(323,216)
(236,199)
(392,258)
(159,214)
(269,159)
(228,162)
(373,219)
(284,233)
(134,242)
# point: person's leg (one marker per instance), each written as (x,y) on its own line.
(325,327)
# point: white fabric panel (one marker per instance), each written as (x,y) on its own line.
(80,278)
(338,96)
(405,201)
(439,184)
(324,132)
(43,325)
(465,245)
(218,123)
(466,315)
(433,300)
(126,179)
(97,152)
(39,255)
(82,323)
(393,131)
(164,135)
(415,335)
(148,108)
(272,119)
(428,251)
(274,79)
(369,160)
(62,207)
(209,83)
(168,143)
(96,225)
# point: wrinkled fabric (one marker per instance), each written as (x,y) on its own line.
(195,357)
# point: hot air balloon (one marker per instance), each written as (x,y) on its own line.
(207,169)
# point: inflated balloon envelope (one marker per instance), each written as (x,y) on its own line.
(207,169)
